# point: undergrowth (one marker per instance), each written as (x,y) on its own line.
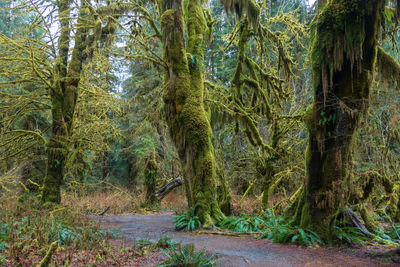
(344,233)
(27,230)
(277,229)
(271,227)
(187,220)
(177,255)
(188,256)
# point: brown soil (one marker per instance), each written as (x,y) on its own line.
(239,251)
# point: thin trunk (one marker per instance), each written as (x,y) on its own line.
(270,166)
(268,181)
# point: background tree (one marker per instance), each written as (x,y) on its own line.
(53,70)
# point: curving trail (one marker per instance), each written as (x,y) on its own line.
(236,251)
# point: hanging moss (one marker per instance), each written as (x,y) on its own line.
(343,61)
(243,7)
(388,67)
(186,116)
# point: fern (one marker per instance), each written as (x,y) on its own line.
(187,256)
(271,227)
(243,224)
(187,220)
(348,234)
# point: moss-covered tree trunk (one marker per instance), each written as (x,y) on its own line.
(223,193)
(186,117)
(63,98)
(267,183)
(343,58)
(150,178)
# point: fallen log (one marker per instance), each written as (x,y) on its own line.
(227,233)
(166,189)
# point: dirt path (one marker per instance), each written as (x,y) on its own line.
(236,251)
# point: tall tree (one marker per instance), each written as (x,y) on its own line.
(260,84)
(63,96)
(344,50)
(186,116)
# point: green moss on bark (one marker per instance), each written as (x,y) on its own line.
(150,179)
(343,60)
(186,116)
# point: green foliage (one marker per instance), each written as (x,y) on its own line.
(289,234)
(348,234)
(166,242)
(281,232)
(144,246)
(47,229)
(2,258)
(243,224)
(187,256)
(271,227)
(143,243)
(385,234)
(27,229)
(187,220)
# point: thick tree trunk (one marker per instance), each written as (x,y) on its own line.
(54,148)
(186,117)
(343,72)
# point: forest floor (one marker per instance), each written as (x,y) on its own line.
(240,250)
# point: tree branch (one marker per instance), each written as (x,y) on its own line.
(388,67)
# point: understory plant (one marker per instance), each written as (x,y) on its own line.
(384,234)
(188,256)
(243,224)
(144,246)
(26,231)
(271,227)
(187,220)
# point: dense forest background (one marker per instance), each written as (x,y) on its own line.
(279,106)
